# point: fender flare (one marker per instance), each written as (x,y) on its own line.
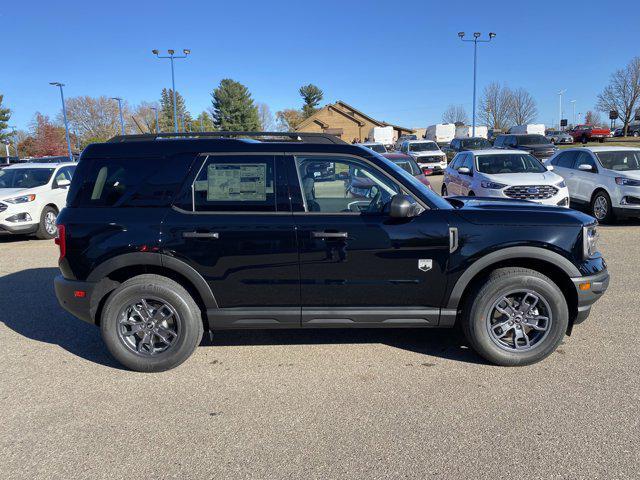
(156,260)
(509,253)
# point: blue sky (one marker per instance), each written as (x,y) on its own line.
(401,62)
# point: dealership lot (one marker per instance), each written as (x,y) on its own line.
(317,404)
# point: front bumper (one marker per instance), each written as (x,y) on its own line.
(12,217)
(589,290)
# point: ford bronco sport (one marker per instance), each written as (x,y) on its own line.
(166,236)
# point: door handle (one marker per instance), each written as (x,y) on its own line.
(214,235)
(329,234)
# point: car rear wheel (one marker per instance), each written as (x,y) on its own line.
(47,228)
(517,317)
(150,323)
(601,207)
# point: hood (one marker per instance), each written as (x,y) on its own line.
(543,178)
(15,192)
(503,211)
(635,174)
(430,153)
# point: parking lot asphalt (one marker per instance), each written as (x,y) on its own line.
(316,404)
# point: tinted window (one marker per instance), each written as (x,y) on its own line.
(468,162)
(423,147)
(565,159)
(511,163)
(475,144)
(531,140)
(455,143)
(455,163)
(620,160)
(235,184)
(24,177)
(499,141)
(127,182)
(586,159)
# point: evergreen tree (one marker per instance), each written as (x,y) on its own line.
(5,115)
(204,122)
(165,115)
(311,96)
(233,107)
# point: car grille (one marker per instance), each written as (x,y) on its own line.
(430,159)
(3,207)
(543,153)
(531,192)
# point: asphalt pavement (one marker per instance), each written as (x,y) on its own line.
(316,404)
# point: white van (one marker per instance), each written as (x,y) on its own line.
(383,135)
(441,132)
(465,131)
(531,128)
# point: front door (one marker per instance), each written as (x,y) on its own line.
(233,225)
(358,265)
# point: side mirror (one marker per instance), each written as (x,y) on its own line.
(401,206)
(464,171)
(64,183)
(585,167)
(550,168)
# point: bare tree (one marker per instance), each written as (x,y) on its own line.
(523,107)
(623,92)
(95,119)
(455,114)
(146,116)
(592,118)
(496,106)
(267,122)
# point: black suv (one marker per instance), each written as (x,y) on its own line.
(537,145)
(166,236)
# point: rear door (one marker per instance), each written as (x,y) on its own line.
(233,224)
(359,266)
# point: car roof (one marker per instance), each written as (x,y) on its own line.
(368,143)
(38,165)
(494,151)
(420,141)
(603,149)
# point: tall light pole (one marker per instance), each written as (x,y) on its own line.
(476,40)
(155,109)
(560,93)
(119,100)
(172,57)
(64,116)
(573,104)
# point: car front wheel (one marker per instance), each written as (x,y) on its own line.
(150,323)
(601,207)
(517,317)
(47,227)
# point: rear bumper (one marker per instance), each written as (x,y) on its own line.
(78,306)
(597,285)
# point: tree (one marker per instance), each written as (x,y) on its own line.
(495,106)
(592,118)
(204,122)
(144,116)
(48,139)
(166,111)
(288,119)
(94,119)
(523,107)
(267,122)
(312,96)
(455,114)
(5,115)
(623,92)
(233,108)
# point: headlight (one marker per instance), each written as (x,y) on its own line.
(627,181)
(562,184)
(492,185)
(589,241)
(21,199)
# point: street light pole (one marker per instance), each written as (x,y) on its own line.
(64,116)
(173,57)
(560,93)
(119,100)
(155,109)
(573,104)
(476,40)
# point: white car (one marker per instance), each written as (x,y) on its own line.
(427,155)
(606,179)
(504,174)
(31,195)
(375,146)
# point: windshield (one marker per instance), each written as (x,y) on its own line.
(509,163)
(423,147)
(24,177)
(475,143)
(620,161)
(409,166)
(377,147)
(531,140)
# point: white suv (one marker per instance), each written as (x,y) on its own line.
(607,179)
(504,174)
(426,153)
(31,195)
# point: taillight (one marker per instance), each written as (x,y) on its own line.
(61,241)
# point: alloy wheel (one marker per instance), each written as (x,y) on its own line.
(149,326)
(519,321)
(50,223)
(600,207)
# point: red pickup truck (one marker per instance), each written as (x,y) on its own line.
(585,133)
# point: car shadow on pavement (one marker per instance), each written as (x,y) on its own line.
(28,306)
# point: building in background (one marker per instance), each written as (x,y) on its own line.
(346,122)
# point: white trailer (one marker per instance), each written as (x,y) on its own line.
(441,132)
(531,128)
(383,135)
(466,131)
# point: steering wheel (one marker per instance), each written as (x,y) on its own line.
(378,201)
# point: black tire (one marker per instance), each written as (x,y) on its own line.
(44,232)
(480,303)
(471,194)
(187,319)
(443,191)
(601,197)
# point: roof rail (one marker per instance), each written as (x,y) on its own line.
(265,136)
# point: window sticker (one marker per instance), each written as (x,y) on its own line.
(243,182)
